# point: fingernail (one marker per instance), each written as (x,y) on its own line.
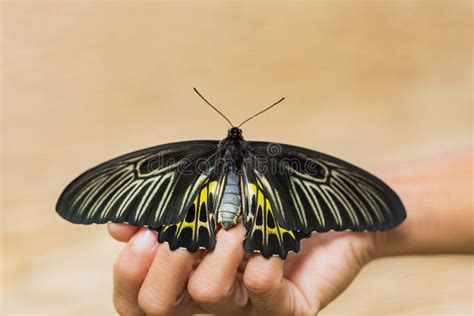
(144,240)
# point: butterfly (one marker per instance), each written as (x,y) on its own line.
(187,190)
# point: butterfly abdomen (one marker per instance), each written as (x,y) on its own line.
(229,209)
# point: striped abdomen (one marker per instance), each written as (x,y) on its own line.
(229,209)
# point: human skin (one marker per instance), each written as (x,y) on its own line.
(151,279)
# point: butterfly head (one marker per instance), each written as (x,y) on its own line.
(235,133)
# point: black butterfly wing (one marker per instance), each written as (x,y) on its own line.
(311,191)
(151,187)
(197,229)
(265,231)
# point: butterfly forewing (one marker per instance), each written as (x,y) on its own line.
(153,187)
(317,192)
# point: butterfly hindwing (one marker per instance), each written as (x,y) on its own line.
(264,232)
(197,229)
(151,187)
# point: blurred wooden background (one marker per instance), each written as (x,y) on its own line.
(373,82)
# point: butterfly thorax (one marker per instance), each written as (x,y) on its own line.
(233,148)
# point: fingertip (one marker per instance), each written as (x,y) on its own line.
(121,232)
(268,291)
(260,263)
(130,270)
(263,274)
(166,280)
(137,255)
(213,284)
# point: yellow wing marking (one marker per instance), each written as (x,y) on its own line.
(263,204)
(207,192)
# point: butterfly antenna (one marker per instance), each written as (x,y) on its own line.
(212,106)
(261,112)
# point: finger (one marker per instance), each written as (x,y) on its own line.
(214,285)
(163,291)
(122,232)
(130,270)
(268,291)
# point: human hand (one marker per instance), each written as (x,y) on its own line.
(151,279)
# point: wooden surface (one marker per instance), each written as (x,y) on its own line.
(372,82)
